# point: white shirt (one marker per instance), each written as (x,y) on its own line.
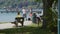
(38,15)
(30,10)
(24,11)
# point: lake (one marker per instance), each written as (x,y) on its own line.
(9,17)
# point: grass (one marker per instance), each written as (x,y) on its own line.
(25,30)
(31,29)
(36,25)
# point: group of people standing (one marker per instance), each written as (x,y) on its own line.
(33,16)
(25,13)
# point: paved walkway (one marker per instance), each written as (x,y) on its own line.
(10,25)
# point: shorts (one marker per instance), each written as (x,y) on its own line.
(24,15)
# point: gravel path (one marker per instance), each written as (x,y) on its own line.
(10,25)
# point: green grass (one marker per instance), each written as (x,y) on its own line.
(26,30)
(35,25)
(31,29)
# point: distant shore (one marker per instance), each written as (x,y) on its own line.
(4,22)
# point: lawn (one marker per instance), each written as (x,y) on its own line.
(31,29)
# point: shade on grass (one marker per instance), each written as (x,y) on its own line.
(30,29)
(26,30)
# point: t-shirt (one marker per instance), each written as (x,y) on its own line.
(18,16)
(30,14)
(24,11)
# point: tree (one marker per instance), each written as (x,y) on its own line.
(49,17)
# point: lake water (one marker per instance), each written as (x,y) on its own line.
(9,17)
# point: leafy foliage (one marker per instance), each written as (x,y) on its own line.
(49,15)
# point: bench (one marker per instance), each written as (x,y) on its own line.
(18,20)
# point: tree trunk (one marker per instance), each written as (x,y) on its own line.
(47,15)
(44,13)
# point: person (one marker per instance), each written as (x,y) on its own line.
(24,13)
(18,15)
(38,18)
(34,17)
(18,19)
(30,15)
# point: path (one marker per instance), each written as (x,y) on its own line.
(10,25)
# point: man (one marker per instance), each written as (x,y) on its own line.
(18,15)
(38,18)
(24,13)
(19,19)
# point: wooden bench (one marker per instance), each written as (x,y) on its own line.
(18,20)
